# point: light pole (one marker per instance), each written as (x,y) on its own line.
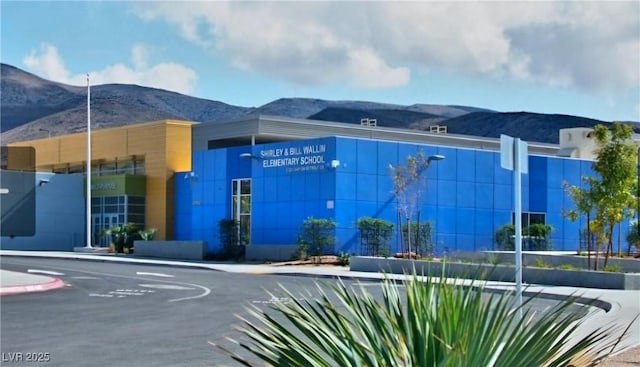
(88,188)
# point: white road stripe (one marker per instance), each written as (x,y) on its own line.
(165,286)
(47,272)
(155,274)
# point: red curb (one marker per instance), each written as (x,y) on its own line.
(30,288)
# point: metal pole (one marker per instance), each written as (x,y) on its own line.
(517,183)
(88,194)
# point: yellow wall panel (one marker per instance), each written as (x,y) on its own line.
(165,146)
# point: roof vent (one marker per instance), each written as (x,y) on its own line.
(369,122)
(437,129)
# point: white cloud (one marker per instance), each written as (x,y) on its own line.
(589,45)
(47,62)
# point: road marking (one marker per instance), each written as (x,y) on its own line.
(155,274)
(100,295)
(204,294)
(47,272)
(166,286)
(87,278)
(4,191)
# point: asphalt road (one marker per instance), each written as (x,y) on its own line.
(137,315)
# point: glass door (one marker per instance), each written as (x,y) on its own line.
(241,208)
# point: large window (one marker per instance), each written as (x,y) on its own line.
(241,208)
(529,218)
(111,211)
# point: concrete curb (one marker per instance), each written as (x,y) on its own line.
(55,283)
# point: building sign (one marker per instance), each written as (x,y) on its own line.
(104,186)
(116,185)
(295,158)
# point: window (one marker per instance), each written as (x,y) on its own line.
(530,218)
(241,208)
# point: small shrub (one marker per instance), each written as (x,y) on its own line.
(567,267)
(505,237)
(538,236)
(539,263)
(147,234)
(232,248)
(374,236)
(612,268)
(318,234)
(344,259)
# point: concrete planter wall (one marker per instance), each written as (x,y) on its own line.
(183,250)
(626,265)
(506,273)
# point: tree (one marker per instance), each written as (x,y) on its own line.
(613,193)
(583,200)
(408,183)
(424,323)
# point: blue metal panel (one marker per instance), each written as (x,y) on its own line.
(484,167)
(503,197)
(466,163)
(571,170)
(258,188)
(222,192)
(298,189)
(367,152)
(446,222)
(387,154)
(537,184)
(484,195)
(500,218)
(311,186)
(282,190)
(554,172)
(484,223)
(385,188)
(555,196)
(446,193)
(465,194)
(346,152)
(366,187)
(465,221)
(502,176)
(465,242)
(345,186)
(484,243)
(447,168)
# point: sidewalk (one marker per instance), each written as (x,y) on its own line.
(617,307)
(12,282)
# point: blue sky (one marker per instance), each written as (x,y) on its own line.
(577,58)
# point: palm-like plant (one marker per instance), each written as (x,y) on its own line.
(438,323)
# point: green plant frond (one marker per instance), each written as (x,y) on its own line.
(420,321)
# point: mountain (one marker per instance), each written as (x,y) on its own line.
(32,107)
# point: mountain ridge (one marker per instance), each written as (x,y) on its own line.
(32,107)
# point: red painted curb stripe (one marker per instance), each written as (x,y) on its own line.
(18,289)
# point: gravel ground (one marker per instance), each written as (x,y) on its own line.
(630,358)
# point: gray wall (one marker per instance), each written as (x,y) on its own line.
(60,215)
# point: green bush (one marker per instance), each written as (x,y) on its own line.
(374,236)
(422,238)
(505,237)
(232,248)
(538,236)
(317,236)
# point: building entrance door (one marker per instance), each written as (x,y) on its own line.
(102,222)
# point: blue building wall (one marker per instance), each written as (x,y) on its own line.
(467,196)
